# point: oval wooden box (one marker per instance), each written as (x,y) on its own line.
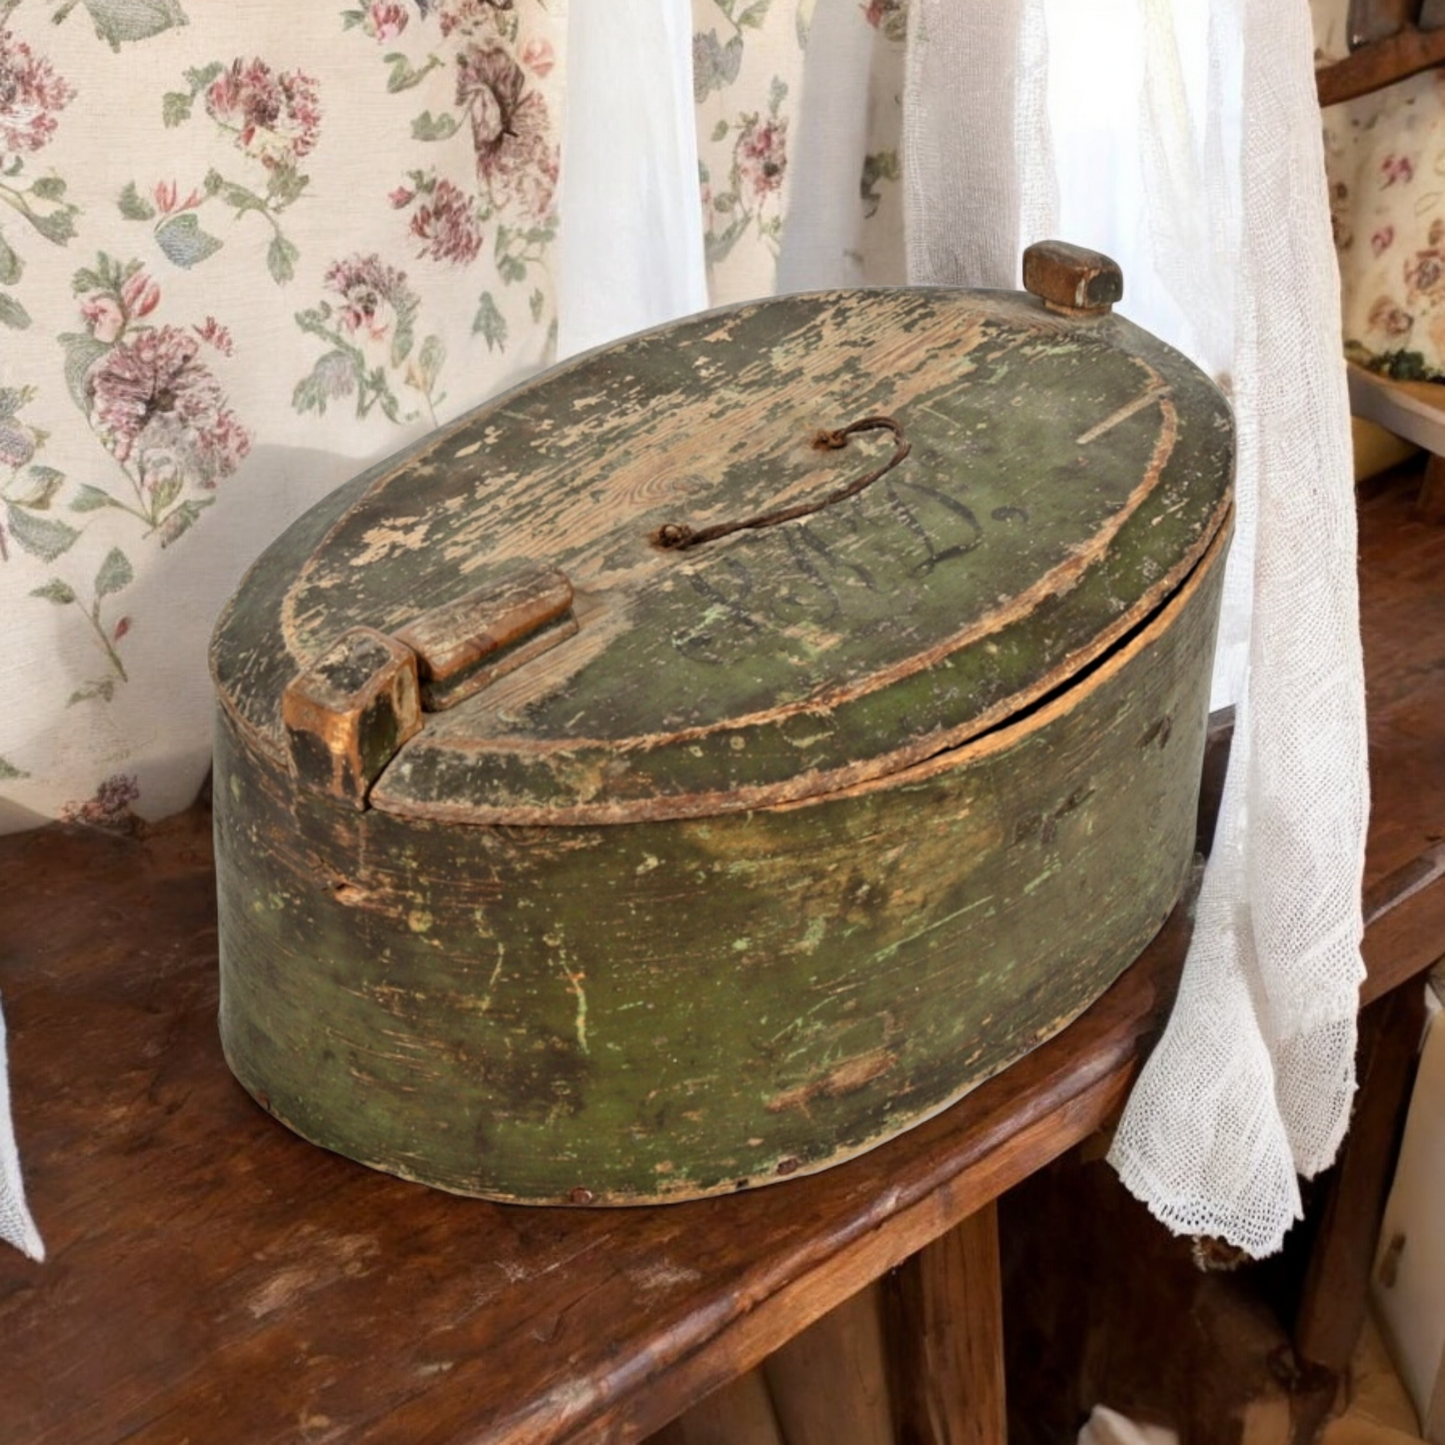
(559,865)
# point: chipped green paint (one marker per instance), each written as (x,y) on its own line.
(665,914)
(960,932)
(1045,510)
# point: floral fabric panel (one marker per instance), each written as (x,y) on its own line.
(1385,155)
(746,76)
(248,251)
(750,82)
(244,253)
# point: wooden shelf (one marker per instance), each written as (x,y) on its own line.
(213,1278)
(1414,410)
(1380,63)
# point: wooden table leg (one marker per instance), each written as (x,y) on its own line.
(741,1413)
(828,1384)
(1336,1287)
(1430,503)
(944,1326)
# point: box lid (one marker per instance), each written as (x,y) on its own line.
(527,619)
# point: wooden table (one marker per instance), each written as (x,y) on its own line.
(215,1280)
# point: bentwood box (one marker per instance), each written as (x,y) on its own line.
(727,749)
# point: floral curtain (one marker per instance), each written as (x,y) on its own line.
(246,251)
(1386,158)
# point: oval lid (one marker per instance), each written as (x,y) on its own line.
(1065,471)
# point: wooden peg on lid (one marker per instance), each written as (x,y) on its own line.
(1071,280)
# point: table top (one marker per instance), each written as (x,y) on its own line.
(214,1279)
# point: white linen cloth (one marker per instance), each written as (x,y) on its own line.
(16,1225)
(1188,145)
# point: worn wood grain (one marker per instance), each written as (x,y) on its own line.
(347,714)
(1402,607)
(1071,279)
(1062,480)
(465,645)
(828,1383)
(233,1284)
(1431,501)
(234,1281)
(740,1413)
(1104,1306)
(1378,64)
(671,1009)
(944,1311)
(804,829)
(1335,1296)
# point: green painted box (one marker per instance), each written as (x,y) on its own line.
(653,785)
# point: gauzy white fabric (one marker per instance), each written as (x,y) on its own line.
(631,246)
(1107,1427)
(16,1225)
(1223,169)
(820,244)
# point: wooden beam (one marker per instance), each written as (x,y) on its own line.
(943,1313)
(828,1384)
(1373,67)
(741,1413)
(1337,1282)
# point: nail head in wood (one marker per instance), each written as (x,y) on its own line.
(1071,279)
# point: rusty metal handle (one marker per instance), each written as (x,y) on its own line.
(678,536)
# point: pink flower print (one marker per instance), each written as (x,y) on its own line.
(446,224)
(401,197)
(1397,168)
(470,15)
(516,159)
(17,445)
(107,315)
(373,294)
(110,807)
(139,296)
(155,406)
(385,19)
(167,198)
(275,118)
(214,334)
(1390,319)
(1424,273)
(1340,226)
(538,56)
(1380,241)
(102,315)
(889,16)
(761,155)
(30,96)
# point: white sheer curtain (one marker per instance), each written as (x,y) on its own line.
(631,241)
(1184,139)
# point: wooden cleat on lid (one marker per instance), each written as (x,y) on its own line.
(347,714)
